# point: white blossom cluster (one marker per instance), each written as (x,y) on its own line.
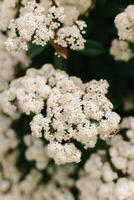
(73,8)
(18,185)
(62,174)
(53,192)
(36,151)
(9,63)
(110,176)
(10,185)
(128,103)
(124,22)
(33,25)
(100,182)
(121,50)
(8,155)
(101,178)
(7,12)
(8,137)
(59,187)
(16,189)
(122,151)
(64,110)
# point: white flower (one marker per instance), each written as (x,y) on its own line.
(121,150)
(71,36)
(64,109)
(36,26)
(8,64)
(124,23)
(73,8)
(124,189)
(36,151)
(8,11)
(63,153)
(120,50)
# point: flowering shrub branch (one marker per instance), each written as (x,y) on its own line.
(61,137)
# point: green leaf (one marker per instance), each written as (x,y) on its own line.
(35,50)
(92,48)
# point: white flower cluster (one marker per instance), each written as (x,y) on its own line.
(62,174)
(33,25)
(73,8)
(128,103)
(36,151)
(122,151)
(124,23)
(30,186)
(24,184)
(8,137)
(53,192)
(7,12)
(65,110)
(59,187)
(8,155)
(120,50)
(9,63)
(100,182)
(114,180)
(19,190)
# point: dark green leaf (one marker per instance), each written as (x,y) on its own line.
(92,48)
(35,50)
